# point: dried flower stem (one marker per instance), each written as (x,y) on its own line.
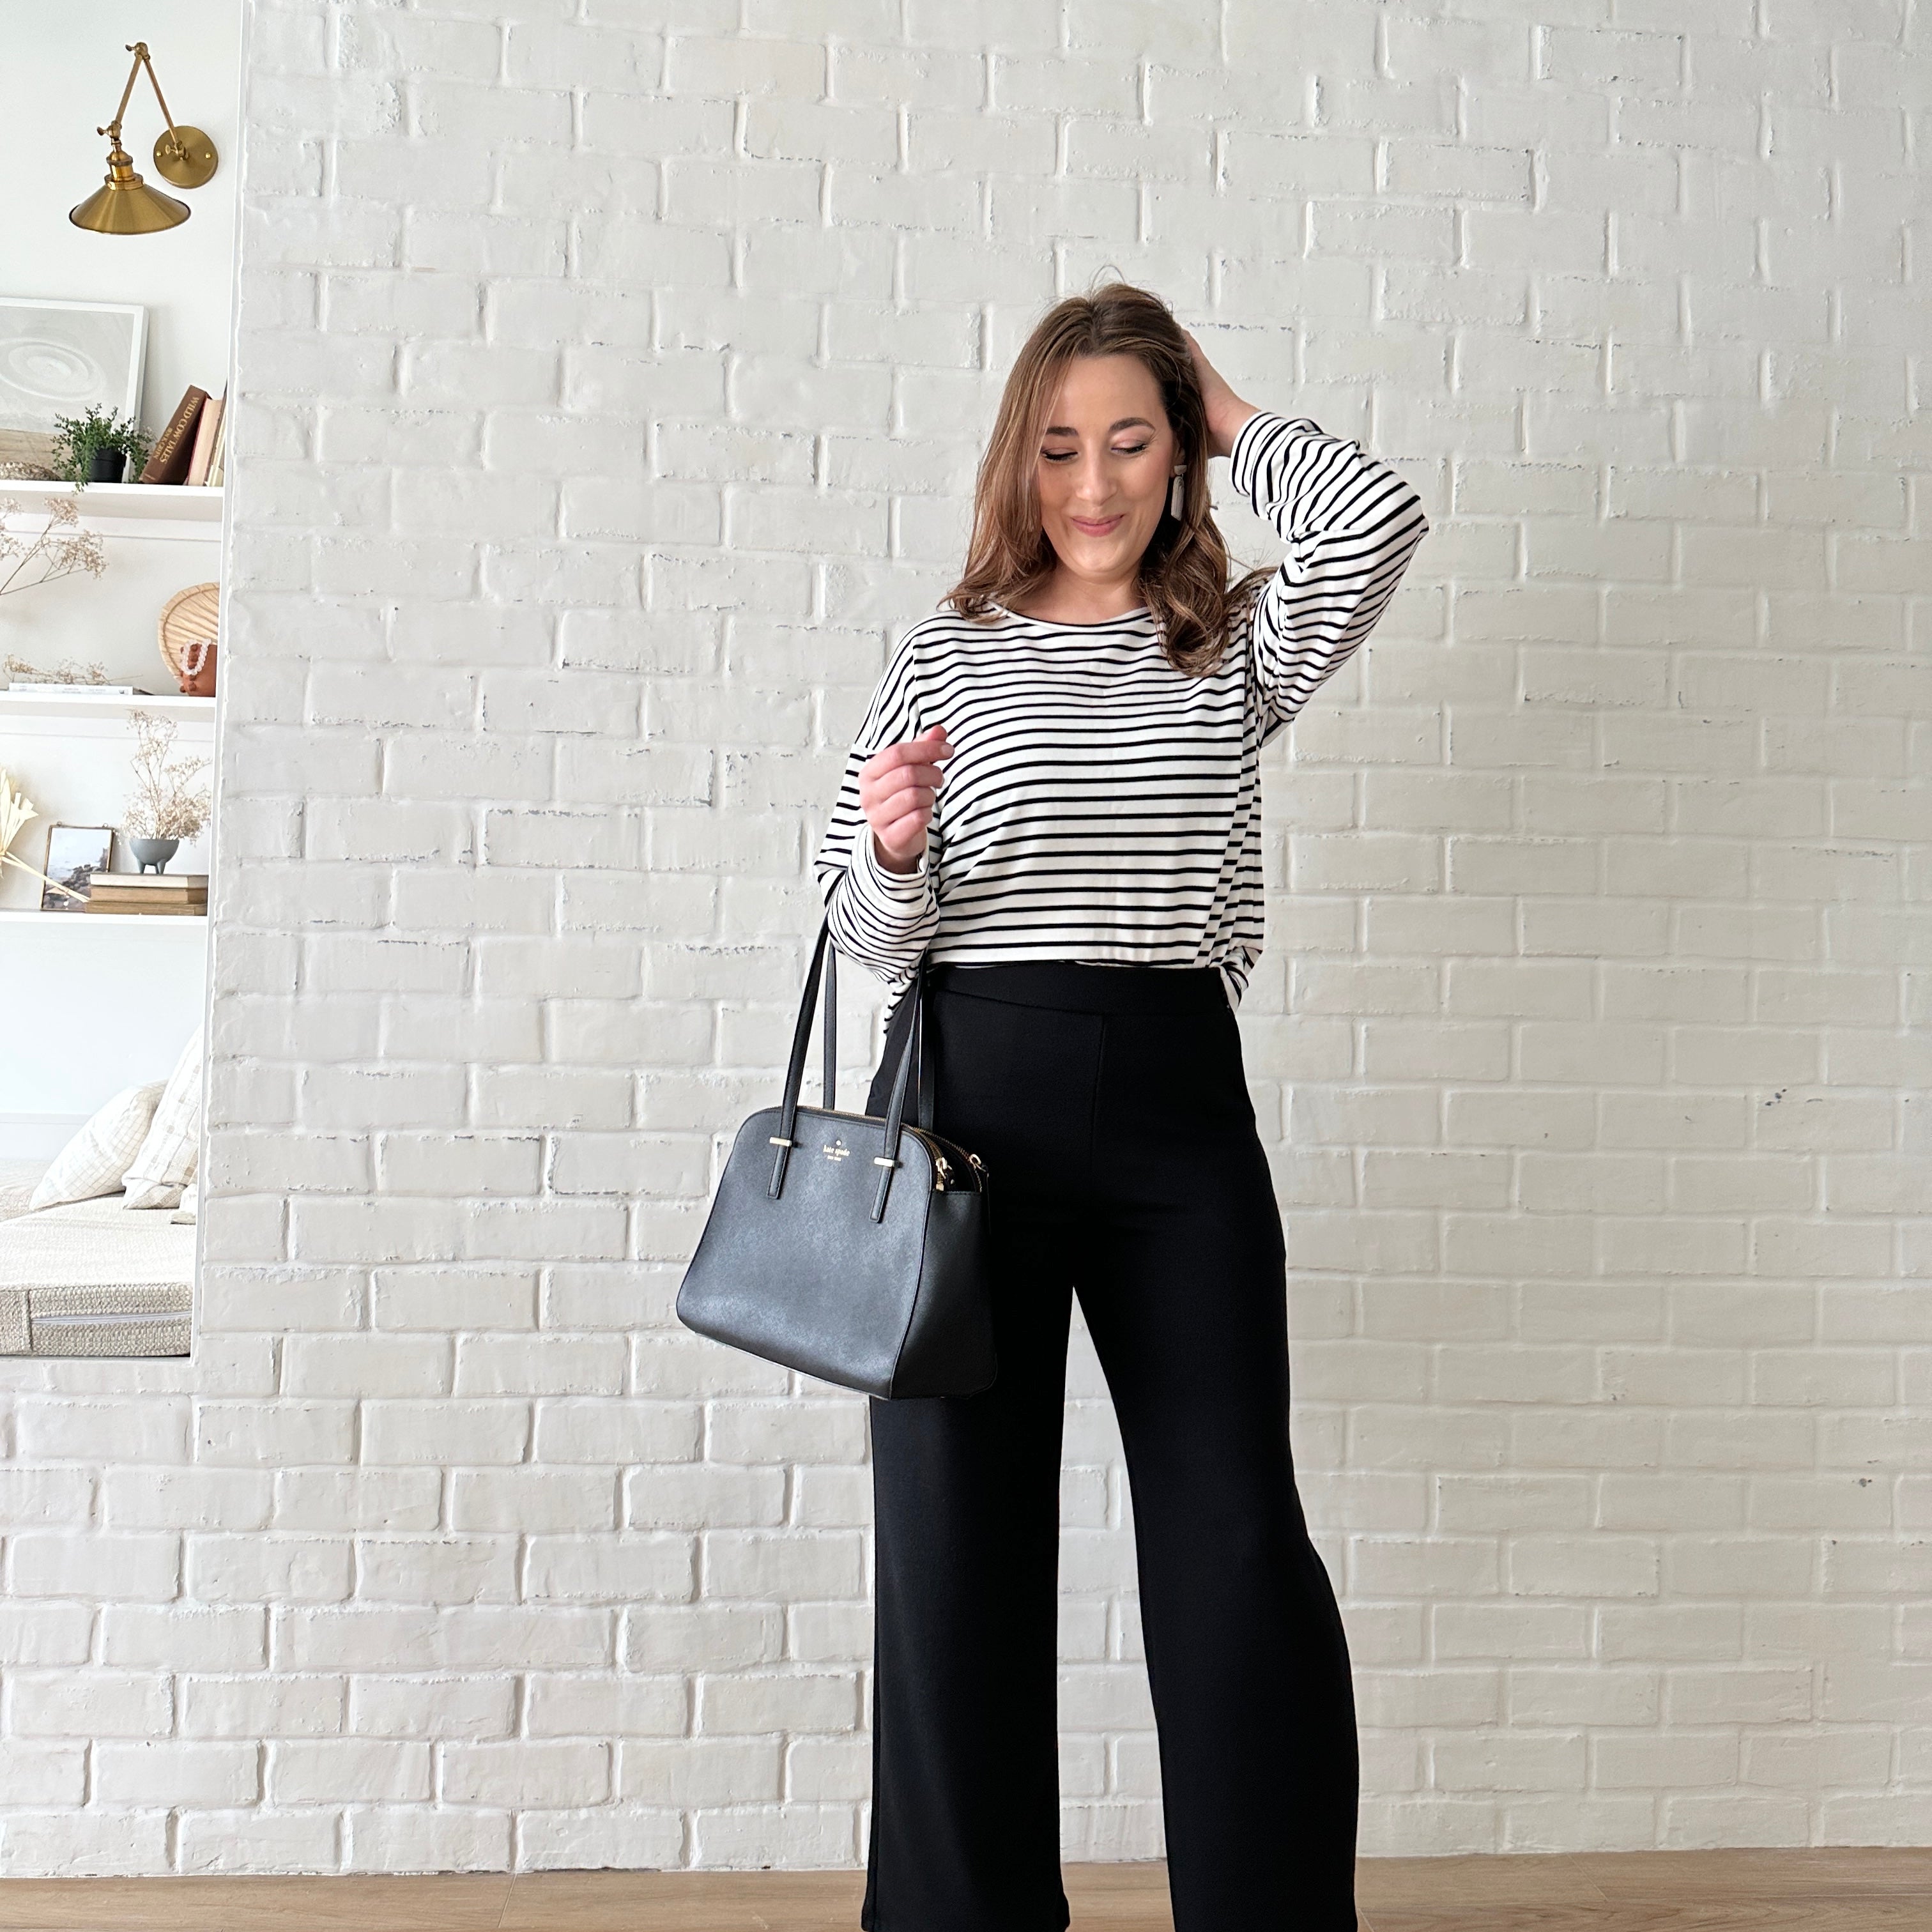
(58,550)
(163,807)
(69,670)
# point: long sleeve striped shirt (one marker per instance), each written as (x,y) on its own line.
(1101,805)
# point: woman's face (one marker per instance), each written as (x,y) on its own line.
(1104,467)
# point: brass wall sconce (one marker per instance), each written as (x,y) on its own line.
(125,204)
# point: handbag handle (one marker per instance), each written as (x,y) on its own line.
(889,1160)
(829,1086)
(824,957)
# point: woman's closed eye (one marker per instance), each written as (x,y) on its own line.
(1066,455)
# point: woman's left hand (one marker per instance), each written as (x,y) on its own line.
(1226,411)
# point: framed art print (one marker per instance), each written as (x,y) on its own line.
(58,357)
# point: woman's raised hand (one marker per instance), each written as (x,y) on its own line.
(1226,411)
(896,787)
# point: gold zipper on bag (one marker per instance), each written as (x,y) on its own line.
(943,1171)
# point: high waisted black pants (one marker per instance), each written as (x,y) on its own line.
(1111,1108)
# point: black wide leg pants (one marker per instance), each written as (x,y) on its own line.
(1111,1107)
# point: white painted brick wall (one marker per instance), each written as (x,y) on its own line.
(610,382)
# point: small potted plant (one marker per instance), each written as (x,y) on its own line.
(97,446)
(162,811)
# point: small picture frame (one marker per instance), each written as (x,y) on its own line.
(75,852)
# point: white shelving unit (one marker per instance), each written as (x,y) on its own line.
(148,919)
(76,701)
(99,1000)
(155,510)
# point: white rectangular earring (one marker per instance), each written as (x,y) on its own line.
(1174,495)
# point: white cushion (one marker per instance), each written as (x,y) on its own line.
(84,1279)
(18,1180)
(166,1162)
(96,1160)
(190,1202)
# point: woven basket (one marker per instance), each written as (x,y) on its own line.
(190,619)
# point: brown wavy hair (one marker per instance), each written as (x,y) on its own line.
(1184,571)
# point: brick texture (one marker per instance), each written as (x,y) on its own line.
(609,386)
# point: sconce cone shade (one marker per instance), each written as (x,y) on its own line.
(125,204)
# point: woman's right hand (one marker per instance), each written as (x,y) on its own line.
(896,788)
(1225,412)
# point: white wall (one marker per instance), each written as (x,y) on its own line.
(101,1011)
(609,394)
(65,70)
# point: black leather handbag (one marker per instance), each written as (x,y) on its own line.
(849,1246)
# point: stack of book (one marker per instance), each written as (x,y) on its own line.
(60,687)
(194,448)
(148,892)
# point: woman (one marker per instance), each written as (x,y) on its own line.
(1056,794)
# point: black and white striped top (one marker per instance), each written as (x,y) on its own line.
(1101,805)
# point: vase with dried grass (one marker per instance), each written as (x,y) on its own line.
(162,811)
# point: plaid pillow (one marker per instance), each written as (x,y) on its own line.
(98,1156)
(166,1162)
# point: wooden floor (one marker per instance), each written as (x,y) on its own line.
(1834,1891)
